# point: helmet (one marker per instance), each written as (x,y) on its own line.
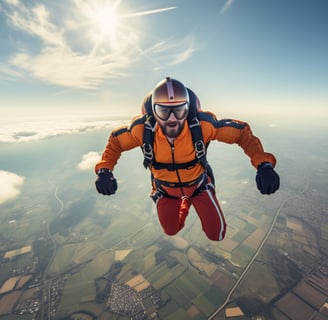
(170,92)
(170,96)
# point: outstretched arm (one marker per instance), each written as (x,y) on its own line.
(239,132)
(121,139)
(235,131)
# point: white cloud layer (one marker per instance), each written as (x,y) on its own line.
(18,127)
(89,160)
(35,130)
(10,184)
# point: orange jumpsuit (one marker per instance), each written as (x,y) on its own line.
(176,184)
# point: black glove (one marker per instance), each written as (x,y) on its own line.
(106,183)
(267,179)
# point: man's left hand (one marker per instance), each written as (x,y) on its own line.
(267,180)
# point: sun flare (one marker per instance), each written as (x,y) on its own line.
(104,26)
(102,23)
(105,20)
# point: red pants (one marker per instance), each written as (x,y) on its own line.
(206,206)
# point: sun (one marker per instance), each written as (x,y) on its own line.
(102,23)
(109,29)
(105,20)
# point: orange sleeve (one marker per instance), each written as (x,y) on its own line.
(121,139)
(239,132)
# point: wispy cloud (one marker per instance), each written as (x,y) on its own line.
(56,62)
(144,13)
(226,6)
(89,160)
(183,55)
(10,184)
(67,52)
(168,52)
(65,68)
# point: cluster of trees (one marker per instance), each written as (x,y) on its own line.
(104,283)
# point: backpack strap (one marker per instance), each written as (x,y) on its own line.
(196,130)
(148,135)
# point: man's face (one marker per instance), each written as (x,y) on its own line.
(172,127)
(171,118)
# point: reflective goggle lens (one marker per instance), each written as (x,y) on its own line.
(164,112)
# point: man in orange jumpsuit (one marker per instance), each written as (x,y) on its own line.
(179,180)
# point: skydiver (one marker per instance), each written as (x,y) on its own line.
(179,170)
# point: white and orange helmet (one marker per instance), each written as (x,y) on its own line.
(170,93)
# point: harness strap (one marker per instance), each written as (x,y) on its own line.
(159,183)
(174,166)
(197,137)
(148,139)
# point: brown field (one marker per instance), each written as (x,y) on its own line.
(313,251)
(28,294)
(139,283)
(223,281)
(311,295)
(180,243)
(294,225)
(121,254)
(298,237)
(295,308)
(8,301)
(228,244)
(233,312)
(23,280)
(318,283)
(9,284)
(193,312)
(149,262)
(17,252)
(254,240)
(200,263)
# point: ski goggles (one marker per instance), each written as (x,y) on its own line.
(164,111)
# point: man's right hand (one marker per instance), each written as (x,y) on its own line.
(106,183)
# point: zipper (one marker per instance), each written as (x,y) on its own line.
(176,170)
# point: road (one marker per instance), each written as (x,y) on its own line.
(47,282)
(240,279)
(226,301)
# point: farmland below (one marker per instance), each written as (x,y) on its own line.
(68,253)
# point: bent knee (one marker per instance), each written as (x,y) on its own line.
(171,232)
(217,236)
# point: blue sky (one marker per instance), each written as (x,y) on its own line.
(100,57)
(77,65)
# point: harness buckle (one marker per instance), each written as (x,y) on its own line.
(158,194)
(200,149)
(148,151)
(194,122)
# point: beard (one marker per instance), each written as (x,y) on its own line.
(172,129)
